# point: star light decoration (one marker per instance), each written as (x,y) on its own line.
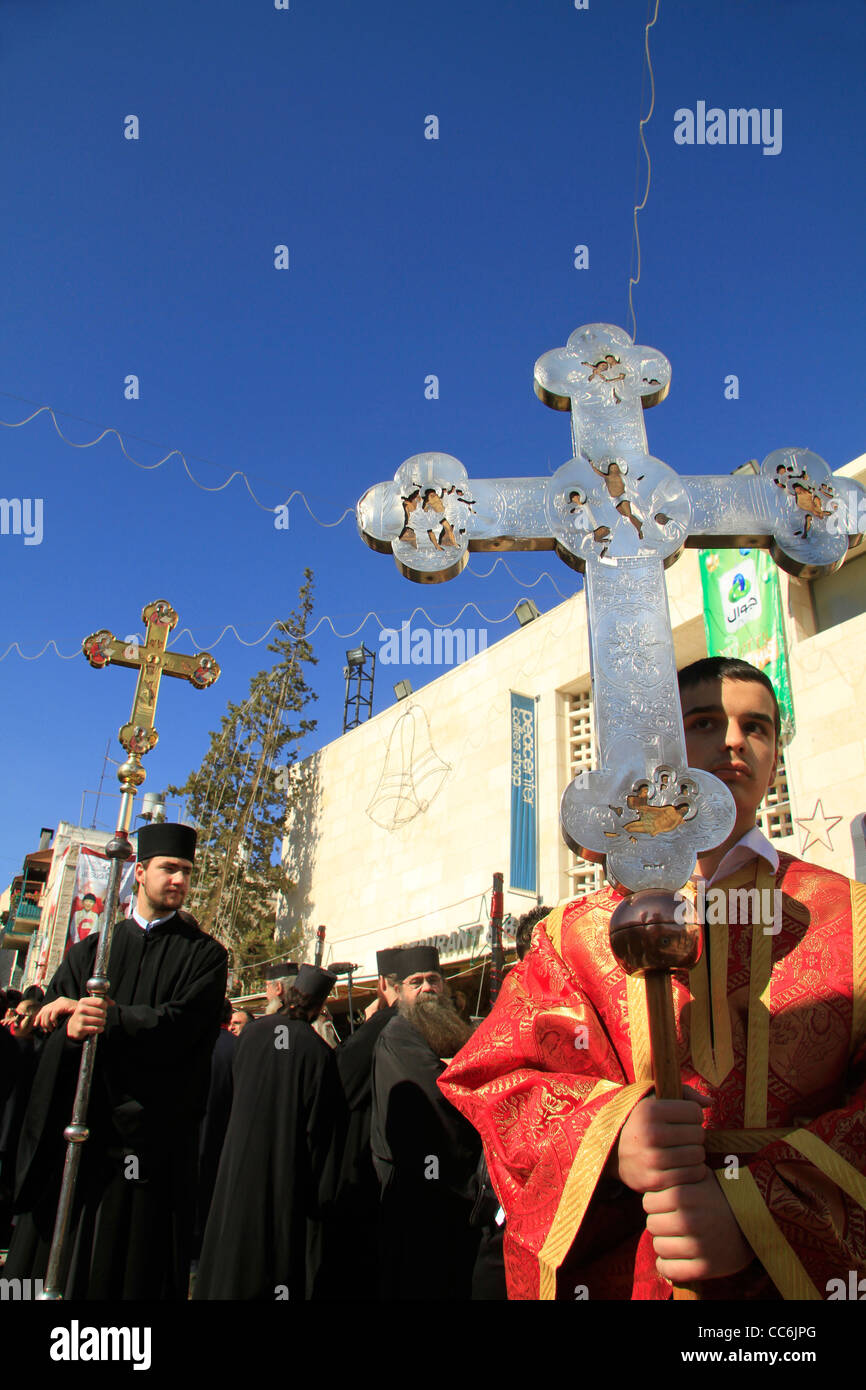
(817,827)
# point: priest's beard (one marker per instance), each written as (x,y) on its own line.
(438,1022)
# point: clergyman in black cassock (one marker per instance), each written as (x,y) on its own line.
(358,1196)
(424,1151)
(268,1231)
(17,1070)
(131,1224)
(215,1122)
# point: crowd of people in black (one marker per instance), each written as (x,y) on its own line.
(233,1156)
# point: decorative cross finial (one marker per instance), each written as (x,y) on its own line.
(152,662)
(621,516)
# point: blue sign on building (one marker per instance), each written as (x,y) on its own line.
(524,795)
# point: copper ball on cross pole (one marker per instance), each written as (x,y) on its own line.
(655,930)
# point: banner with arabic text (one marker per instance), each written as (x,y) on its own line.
(743,617)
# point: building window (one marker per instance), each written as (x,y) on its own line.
(583,877)
(774,816)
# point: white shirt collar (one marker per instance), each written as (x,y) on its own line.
(143,922)
(753,845)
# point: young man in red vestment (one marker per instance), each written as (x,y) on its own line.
(754,1182)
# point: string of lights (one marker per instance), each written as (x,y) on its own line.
(639,207)
(171,453)
(524,583)
(256,642)
(236,473)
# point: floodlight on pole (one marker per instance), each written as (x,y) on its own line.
(403,689)
(359,686)
(153,807)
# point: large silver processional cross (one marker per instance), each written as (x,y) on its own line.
(621,516)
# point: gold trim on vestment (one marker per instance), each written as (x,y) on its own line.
(600,1088)
(742,1141)
(713,1060)
(858,938)
(760,983)
(553,927)
(837,1168)
(638,1028)
(762,1233)
(581,1183)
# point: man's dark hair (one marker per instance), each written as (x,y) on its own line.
(33,994)
(13,998)
(523,932)
(300,1005)
(717,668)
(227,1011)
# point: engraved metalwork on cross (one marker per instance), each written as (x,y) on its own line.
(621,516)
(152,662)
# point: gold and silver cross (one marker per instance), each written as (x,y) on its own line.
(152,662)
(621,516)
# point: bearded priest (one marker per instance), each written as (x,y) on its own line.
(424,1152)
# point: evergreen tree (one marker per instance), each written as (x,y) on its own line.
(240,795)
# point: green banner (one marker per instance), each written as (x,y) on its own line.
(743,617)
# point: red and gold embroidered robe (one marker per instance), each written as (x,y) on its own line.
(774,1033)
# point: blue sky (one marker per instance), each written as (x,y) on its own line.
(407,257)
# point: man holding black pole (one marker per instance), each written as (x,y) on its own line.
(131,1224)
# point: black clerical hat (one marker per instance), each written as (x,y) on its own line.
(173,841)
(386,961)
(315,982)
(280,969)
(414,960)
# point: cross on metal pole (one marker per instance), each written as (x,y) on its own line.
(621,516)
(137,737)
